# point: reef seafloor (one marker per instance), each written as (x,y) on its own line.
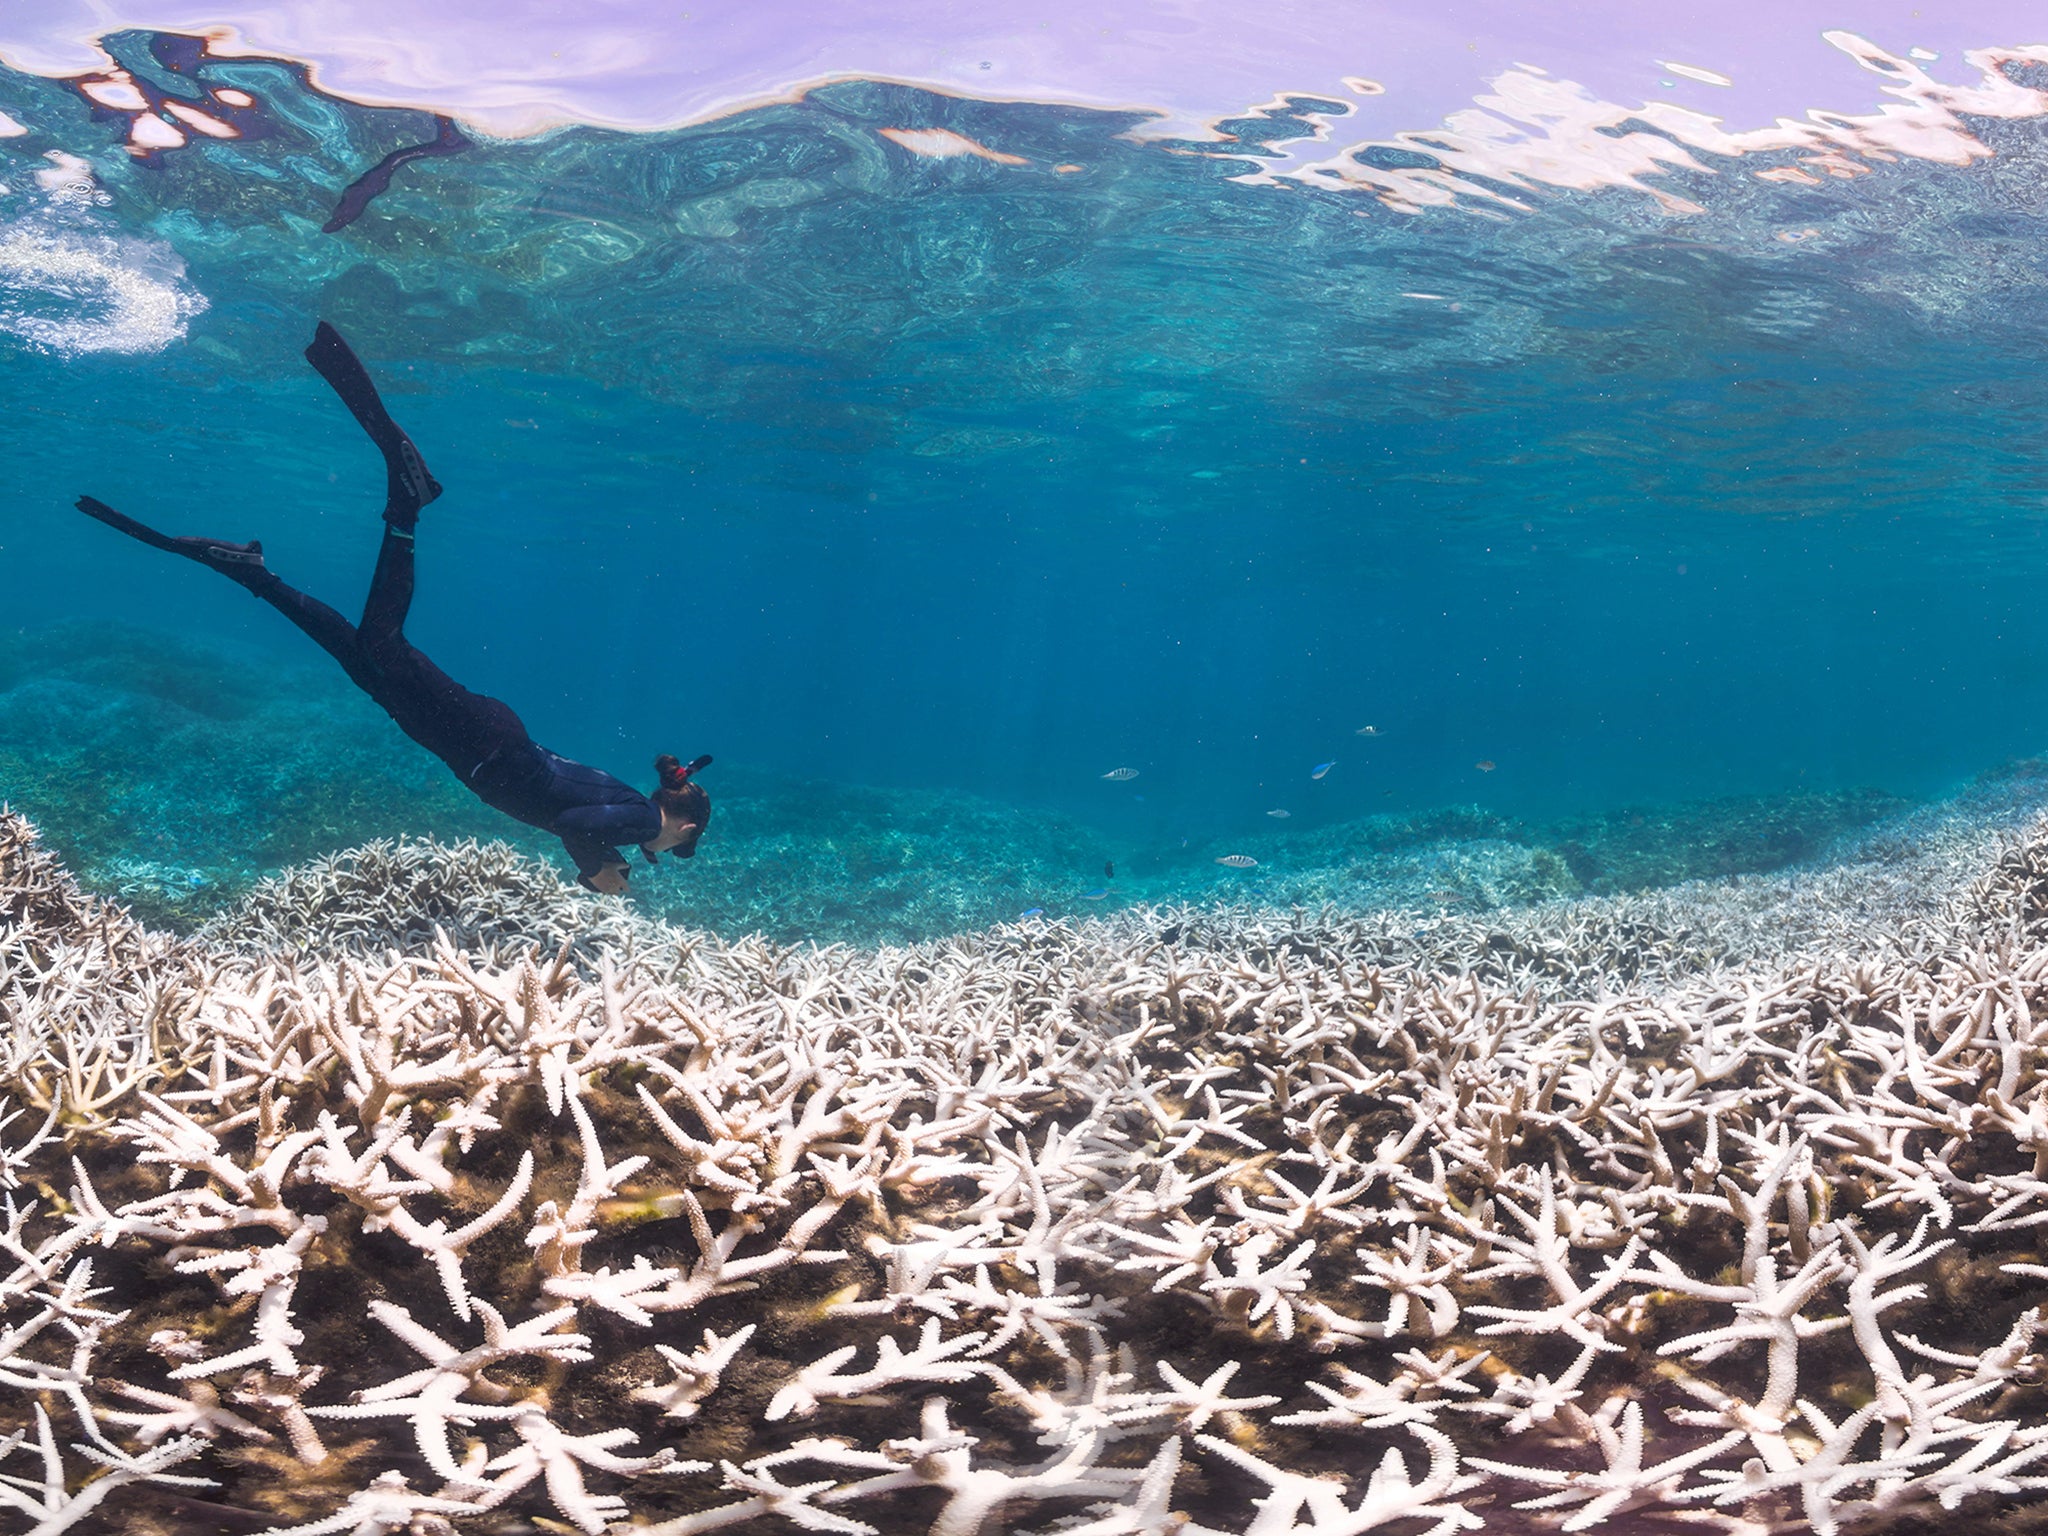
(1717,1207)
(182,780)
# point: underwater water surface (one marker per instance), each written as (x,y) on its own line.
(929,459)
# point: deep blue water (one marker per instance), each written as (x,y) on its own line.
(770,440)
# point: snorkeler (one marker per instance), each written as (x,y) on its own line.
(479,738)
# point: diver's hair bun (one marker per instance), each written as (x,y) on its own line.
(671,771)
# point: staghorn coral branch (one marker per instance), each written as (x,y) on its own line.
(932,1360)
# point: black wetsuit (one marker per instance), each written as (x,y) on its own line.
(478,737)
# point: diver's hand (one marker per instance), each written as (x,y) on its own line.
(610,880)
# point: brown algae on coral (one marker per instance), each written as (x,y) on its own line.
(1206,1221)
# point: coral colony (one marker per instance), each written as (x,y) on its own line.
(1172,1221)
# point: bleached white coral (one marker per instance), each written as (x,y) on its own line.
(641,1209)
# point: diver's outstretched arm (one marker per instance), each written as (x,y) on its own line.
(408,485)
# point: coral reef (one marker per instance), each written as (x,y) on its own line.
(404,895)
(1882,894)
(1636,848)
(78,1002)
(1176,1220)
(1470,859)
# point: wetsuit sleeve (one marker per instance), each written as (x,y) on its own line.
(594,833)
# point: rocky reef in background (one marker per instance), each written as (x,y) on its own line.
(248,771)
(1715,1208)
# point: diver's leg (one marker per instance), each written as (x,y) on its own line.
(390,590)
(408,485)
(243,564)
(462,728)
(327,629)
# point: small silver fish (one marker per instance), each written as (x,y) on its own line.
(1238,861)
(1322,768)
(1121,775)
(1279,815)
(1095,895)
(1367,730)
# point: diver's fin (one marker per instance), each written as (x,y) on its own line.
(336,362)
(92,507)
(409,486)
(240,562)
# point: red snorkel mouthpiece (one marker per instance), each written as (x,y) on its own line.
(676,778)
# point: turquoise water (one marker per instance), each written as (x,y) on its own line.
(903,484)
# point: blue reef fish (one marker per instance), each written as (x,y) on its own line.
(1322,768)
(1095,895)
(1030,912)
(1121,775)
(1238,861)
(1279,815)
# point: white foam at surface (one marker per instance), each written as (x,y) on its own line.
(71,292)
(64,172)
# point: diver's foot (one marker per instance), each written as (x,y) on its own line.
(408,483)
(238,562)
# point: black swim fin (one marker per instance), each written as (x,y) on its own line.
(408,485)
(238,562)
